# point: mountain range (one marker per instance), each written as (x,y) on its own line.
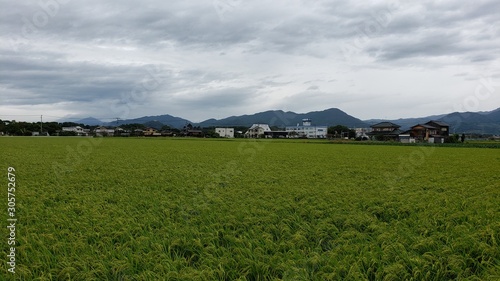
(460,122)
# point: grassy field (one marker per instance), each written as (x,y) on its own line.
(193,209)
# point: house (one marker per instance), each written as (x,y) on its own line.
(443,129)
(307,130)
(119,132)
(167,133)
(257,131)
(495,138)
(385,131)
(191,131)
(138,132)
(432,132)
(362,132)
(151,132)
(103,131)
(422,132)
(225,132)
(405,137)
(194,133)
(76,129)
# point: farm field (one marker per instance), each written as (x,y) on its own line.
(214,209)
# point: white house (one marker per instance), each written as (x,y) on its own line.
(307,130)
(77,129)
(257,131)
(225,132)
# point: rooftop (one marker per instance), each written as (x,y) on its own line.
(439,123)
(425,126)
(385,125)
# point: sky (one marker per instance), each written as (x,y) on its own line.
(218,58)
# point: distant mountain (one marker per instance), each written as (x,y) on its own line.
(279,118)
(460,122)
(406,123)
(463,122)
(91,121)
(471,122)
(154,124)
(494,115)
(172,121)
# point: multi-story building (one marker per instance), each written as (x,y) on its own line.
(307,130)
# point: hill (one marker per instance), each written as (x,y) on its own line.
(91,121)
(279,118)
(166,119)
(471,122)
(460,122)
(406,123)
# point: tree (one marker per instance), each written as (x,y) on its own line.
(2,126)
(14,128)
(71,124)
(132,127)
(340,131)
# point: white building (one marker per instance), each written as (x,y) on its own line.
(362,132)
(225,132)
(77,129)
(307,130)
(257,131)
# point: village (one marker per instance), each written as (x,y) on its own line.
(431,132)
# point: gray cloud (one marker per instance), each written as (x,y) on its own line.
(251,56)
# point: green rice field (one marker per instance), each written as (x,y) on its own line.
(217,209)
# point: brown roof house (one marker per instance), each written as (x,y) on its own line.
(385,131)
(432,132)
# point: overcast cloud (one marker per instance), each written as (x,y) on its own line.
(204,59)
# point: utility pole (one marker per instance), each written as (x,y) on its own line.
(41,124)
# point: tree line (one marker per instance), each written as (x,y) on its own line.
(22,128)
